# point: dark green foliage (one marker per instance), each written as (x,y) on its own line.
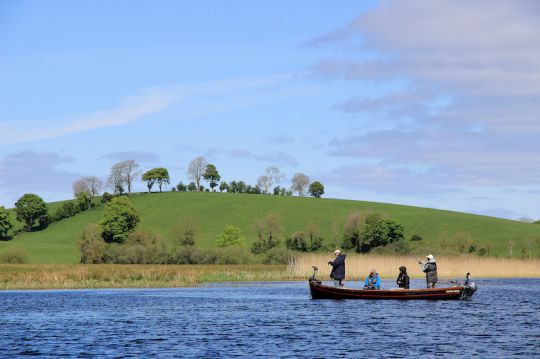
(536,222)
(351,233)
(185,234)
(277,256)
(314,238)
(472,248)
(237,187)
(181,187)
(231,236)
(316,189)
(192,187)
(212,176)
(158,175)
(483,251)
(379,233)
(223,186)
(14,256)
(253,189)
(119,220)
(416,238)
(66,210)
(30,209)
(92,247)
(6,225)
(106,198)
(268,231)
(297,242)
(84,200)
(280,191)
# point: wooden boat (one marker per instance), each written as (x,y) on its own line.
(320,291)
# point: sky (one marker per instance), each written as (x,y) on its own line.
(424,103)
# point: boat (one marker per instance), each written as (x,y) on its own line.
(461,291)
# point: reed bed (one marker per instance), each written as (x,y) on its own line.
(358,266)
(78,276)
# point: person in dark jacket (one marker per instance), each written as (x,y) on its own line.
(372,280)
(338,268)
(403,278)
(430,268)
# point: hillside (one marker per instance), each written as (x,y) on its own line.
(161,212)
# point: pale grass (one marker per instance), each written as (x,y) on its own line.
(79,276)
(358,266)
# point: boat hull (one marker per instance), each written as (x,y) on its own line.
(319,291)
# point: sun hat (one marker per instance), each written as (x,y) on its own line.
(337,251)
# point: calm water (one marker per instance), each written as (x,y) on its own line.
(268,320)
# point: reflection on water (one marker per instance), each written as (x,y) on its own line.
(268,320)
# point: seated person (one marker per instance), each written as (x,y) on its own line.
(403,278)
(372,281)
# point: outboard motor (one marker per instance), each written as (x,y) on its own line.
(470,286)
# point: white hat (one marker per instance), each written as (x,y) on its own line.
(430,257)
(337,251)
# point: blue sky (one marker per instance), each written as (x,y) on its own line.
(421,103)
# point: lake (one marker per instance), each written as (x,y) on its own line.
(268,320)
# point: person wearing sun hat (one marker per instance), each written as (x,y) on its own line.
(430,268)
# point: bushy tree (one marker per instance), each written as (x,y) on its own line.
(380,233)
(268,231)
(300,183)
(231,236)
(150,178)
(6,225)
(192,187)
(223,186)
(30,209)
(181,187)
(157,175)
(314,238)
(92,246)
(211,175)
(119,220)
(66,210)
(316,189)
(107,197)
(351,232)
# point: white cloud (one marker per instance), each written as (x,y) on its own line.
(134,108)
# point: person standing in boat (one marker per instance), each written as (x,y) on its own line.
(372,281)
(430,268)
(403,278)
(338,268)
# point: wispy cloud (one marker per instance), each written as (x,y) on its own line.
(141,156)
(133,108)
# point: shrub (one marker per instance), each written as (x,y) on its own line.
(416,238)
(231,236)
(297,242)
(351,233)
(140,248)
(313,233)
(277,256)
(66,210)
(92,246)
(316,189)
(187,232)
(14,256)
(107,197)
(119,220)
(181,187)
(268,231)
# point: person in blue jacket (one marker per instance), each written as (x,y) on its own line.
(372,281)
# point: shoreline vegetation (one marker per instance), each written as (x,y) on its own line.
(94,276)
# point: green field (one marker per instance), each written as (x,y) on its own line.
(161,212)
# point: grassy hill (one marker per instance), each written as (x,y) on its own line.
(161,212)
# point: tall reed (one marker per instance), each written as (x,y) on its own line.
(358,266)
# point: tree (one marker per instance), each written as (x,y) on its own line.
(223,186)
(269,231)
(119,220)
(231,236)
(271,176)
(297,242)
(300,182)
(150,178)
(162,176)
(380,233)
(351,233)
(316,189)
(6,224)
(313,232)
(196,170)
(91,185)
(31,208)
(212,176)
(92,247)
(123,173)
(192,187)
(181,187)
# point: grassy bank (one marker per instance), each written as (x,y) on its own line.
(78,276)
(358,266)
(162,212)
